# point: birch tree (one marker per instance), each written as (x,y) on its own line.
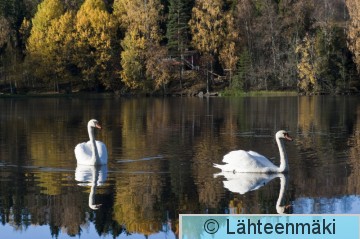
(95,31)
(207,26)
(39,46)
(354,29)
(141,21)
(214,34)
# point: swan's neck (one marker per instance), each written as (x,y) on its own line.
(95,155)
(283,156)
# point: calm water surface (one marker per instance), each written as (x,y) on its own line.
(161,152)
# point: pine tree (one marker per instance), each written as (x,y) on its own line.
(178,29)
(241,77)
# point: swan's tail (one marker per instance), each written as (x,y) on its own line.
(220,166)
(225,167)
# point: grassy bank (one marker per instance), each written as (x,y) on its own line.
(258,93)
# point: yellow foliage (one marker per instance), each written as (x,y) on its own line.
(306,66)
(208,26)
(132,60)
(47,11)
(44,44)
(94,34)
(5,30)
(144,16)
(354,29)
(141,19)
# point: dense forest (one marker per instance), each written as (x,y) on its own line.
(179,46)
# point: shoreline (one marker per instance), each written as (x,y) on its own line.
(199,94)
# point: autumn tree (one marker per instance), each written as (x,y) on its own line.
(207,26)
(59,47)
(133,60)
(244,16)
(162,69)
(354,29)
(5,32)
(214,34)
(141,20)
(228,53)
(263,39)
(39,45)
(307,66)
(95,41)
(12,44)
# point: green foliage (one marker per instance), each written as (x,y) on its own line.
(241,76)
(178,30)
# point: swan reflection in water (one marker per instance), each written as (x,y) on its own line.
(92,176)
(245,182)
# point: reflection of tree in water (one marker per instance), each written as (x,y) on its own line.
(353,184)
(145,194)
(61,212)
(325,154)
(66,212)
(137,202)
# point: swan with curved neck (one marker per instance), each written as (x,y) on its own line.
(241,161)
(93,152)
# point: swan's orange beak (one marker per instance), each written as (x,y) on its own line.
(98,126)
(287,136)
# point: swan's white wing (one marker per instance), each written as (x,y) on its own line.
(261,159)
(83,152)
(245,161)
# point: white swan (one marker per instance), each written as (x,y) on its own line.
(92,176)
(92,152)
(242,161)
(245,182)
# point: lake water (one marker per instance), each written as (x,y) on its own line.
(161,155)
